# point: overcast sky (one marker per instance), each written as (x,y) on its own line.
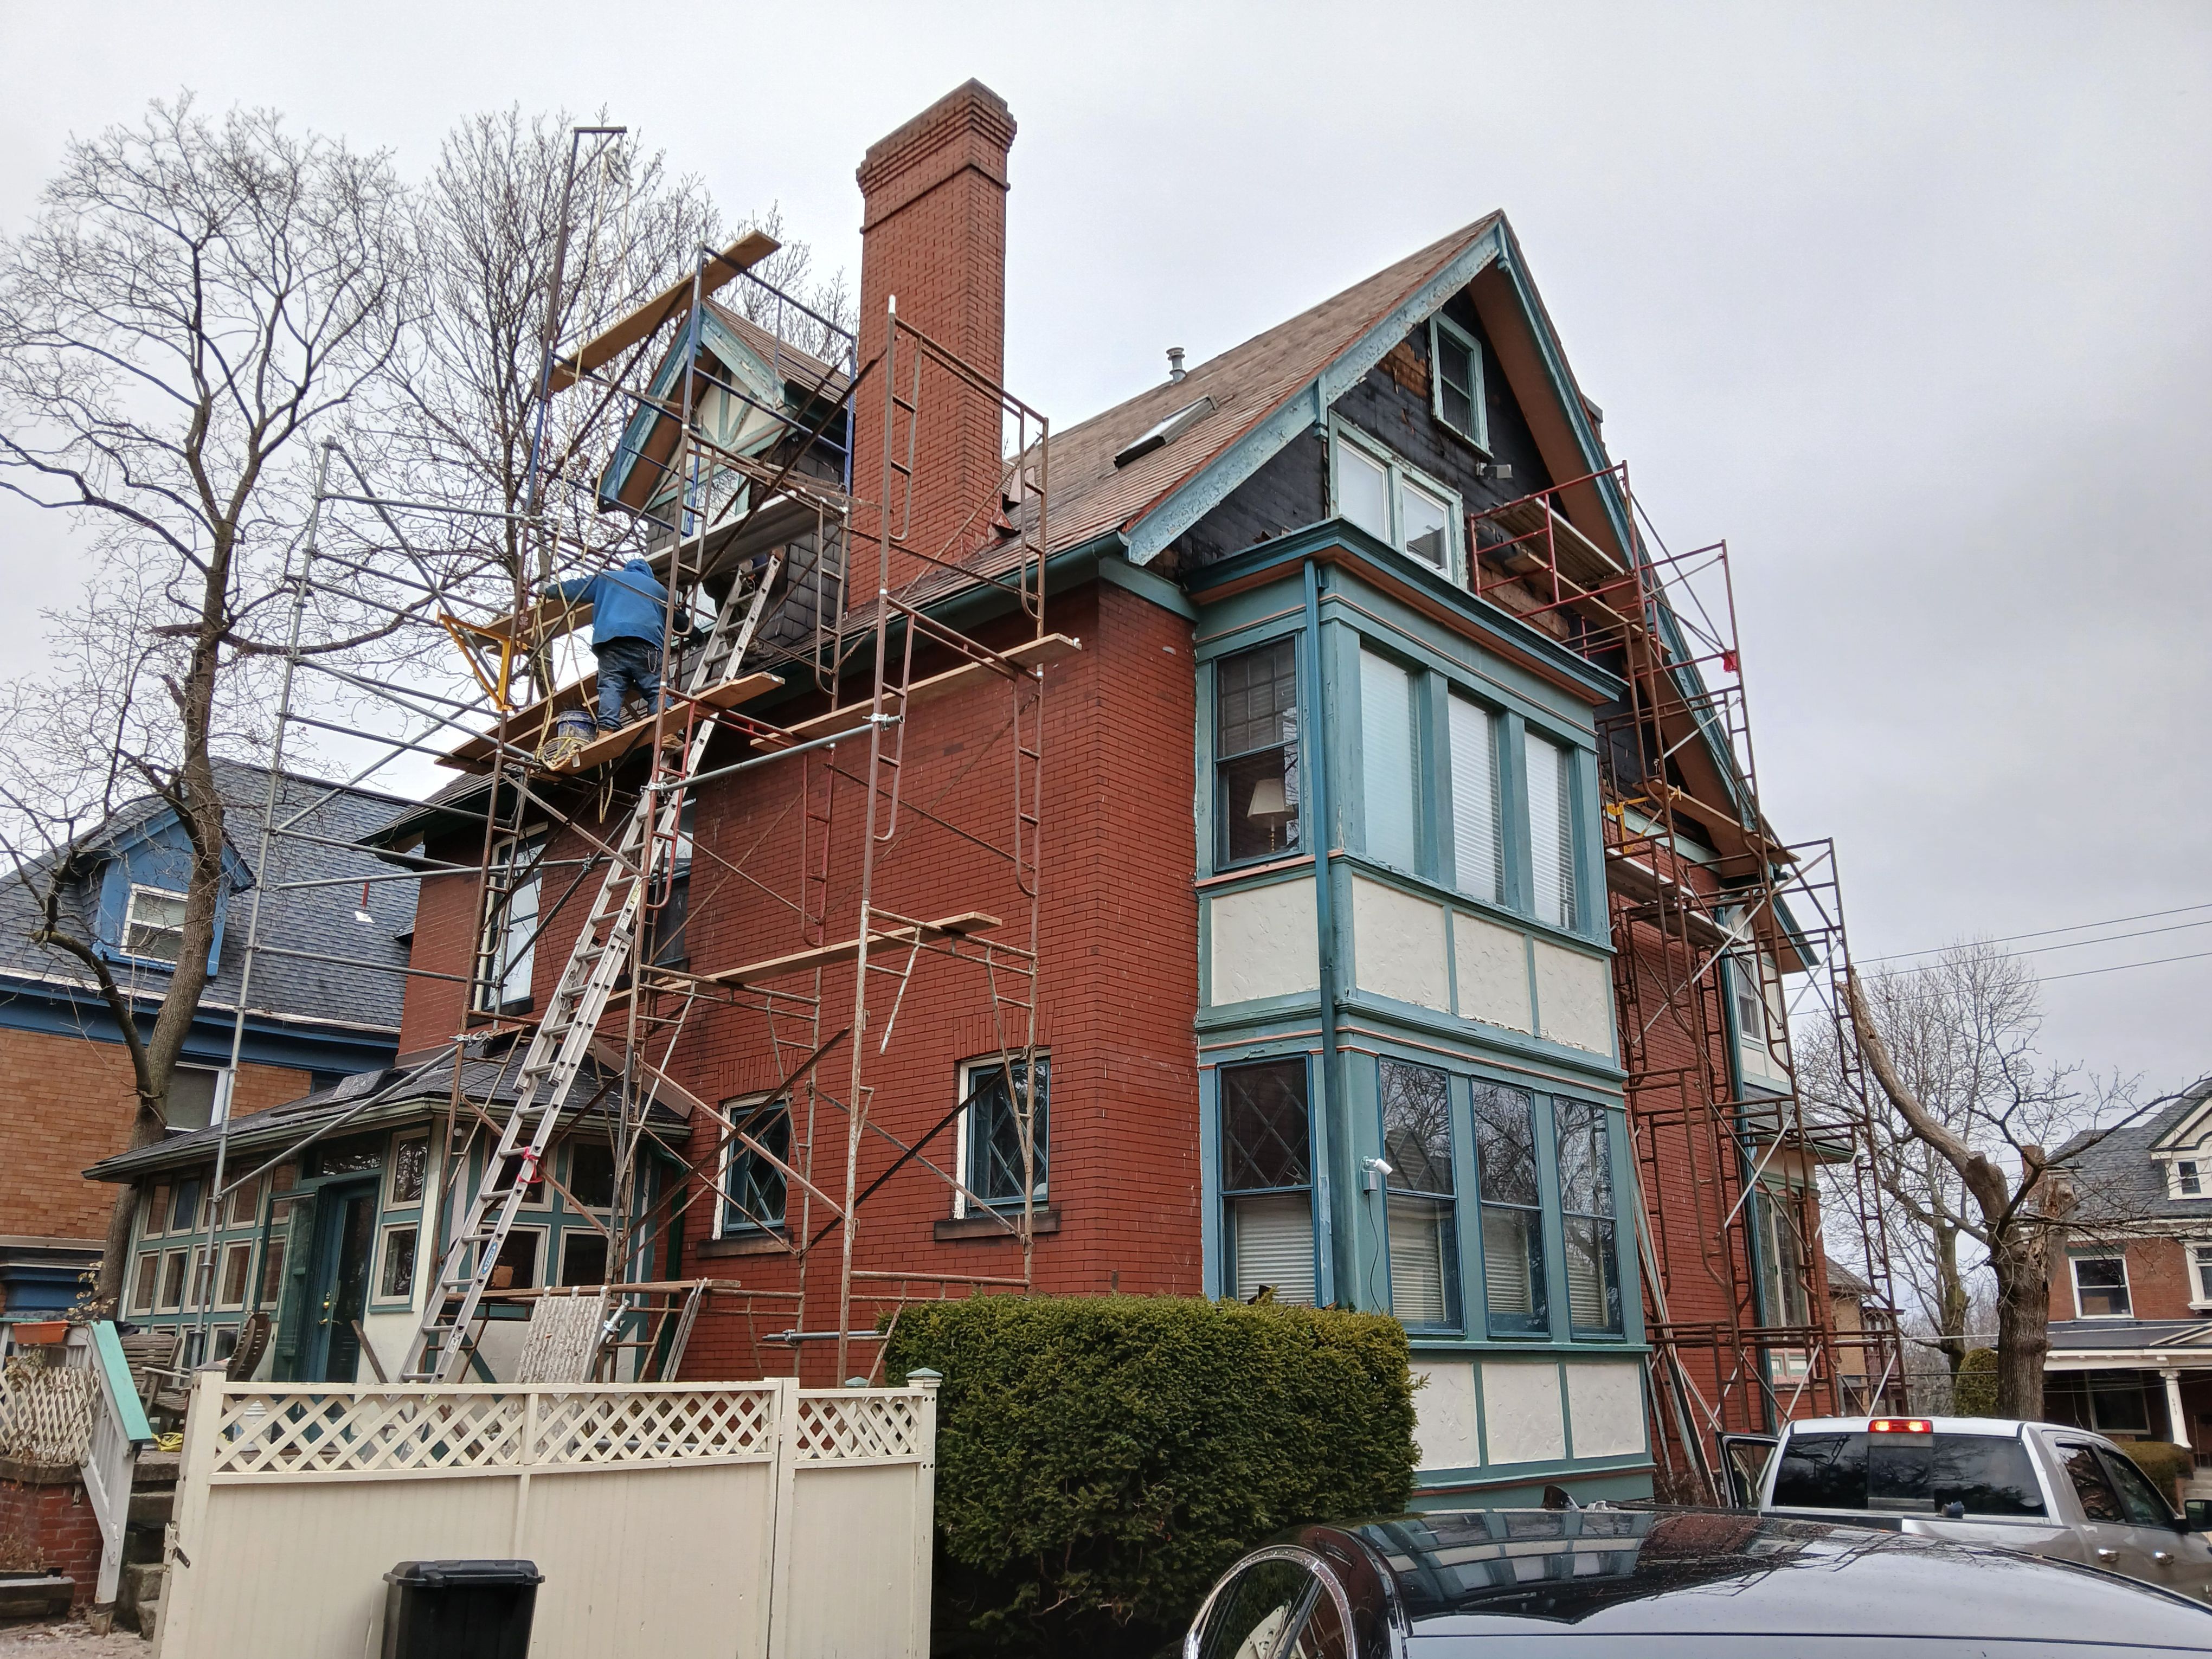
(1908,303)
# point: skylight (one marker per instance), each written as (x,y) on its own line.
(1167,431)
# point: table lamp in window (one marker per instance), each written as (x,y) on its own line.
(1271,806)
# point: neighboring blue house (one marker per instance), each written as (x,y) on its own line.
(65,1078)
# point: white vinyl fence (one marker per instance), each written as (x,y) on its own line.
(740,1521)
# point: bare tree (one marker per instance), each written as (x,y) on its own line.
(790,269)
(195,301)
(1968,1156)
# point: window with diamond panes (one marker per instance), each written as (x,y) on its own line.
(1583,1134)
(1512,1210)
(1256,753)
(994,1129)
(1423,1219)
(753,1189)
(1266,1180)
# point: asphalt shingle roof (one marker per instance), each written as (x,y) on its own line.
(2118,1181)
(356,993)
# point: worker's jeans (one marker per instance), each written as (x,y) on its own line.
(626,665)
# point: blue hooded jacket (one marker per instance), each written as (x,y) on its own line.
(627,604)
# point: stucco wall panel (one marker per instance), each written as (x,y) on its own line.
(1574,998)
(1398,946)
(1604,1402)
(1446,1431)
(1262,943)
(1521,1410)
(1493,963)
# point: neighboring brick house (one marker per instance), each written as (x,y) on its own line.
(65,1078)
(2131,1291)
(1389,1079)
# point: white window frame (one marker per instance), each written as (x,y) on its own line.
(130,909)
(1479,438)
(497,997)
(2200,1166)
(223,1256)
(965,1085)
(376,1295)
(2127,1284)
(1397,474)
(392,1199)
(135,1303)
(723,1228)
(2199,1253)
(569,1235)
(544,1248)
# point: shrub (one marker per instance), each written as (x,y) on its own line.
(1100,1460)
(2166,1464)
(1974,1389)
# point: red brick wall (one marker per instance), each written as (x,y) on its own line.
(66,1104)
(444,930)
(933,233)
(50,1524)
(2159,1283)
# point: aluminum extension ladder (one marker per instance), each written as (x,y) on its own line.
(555,1056)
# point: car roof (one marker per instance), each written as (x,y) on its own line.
(1609,1571)
(2004,1425)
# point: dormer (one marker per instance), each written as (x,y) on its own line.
(2184,1153)
(137,890)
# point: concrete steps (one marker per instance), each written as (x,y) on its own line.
(138,1601)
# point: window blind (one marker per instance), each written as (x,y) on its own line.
(1386,759)
(1273,1245)
(1551,831)
(1419,1270)
(1505,1261)
(1475,853)
(1588,1305)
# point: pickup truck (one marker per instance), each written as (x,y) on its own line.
(2039,1488)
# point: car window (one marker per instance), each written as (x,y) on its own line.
(2098,1501)
(1989,1475)
(1822,1471)
(1277,1607)
(2138,1497)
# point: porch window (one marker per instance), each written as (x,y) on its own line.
(172,1283)
(1458,383)
(1551,831)
(591,1175)
(754,1190)
(1266,1180)
(410,1167)
(237,1272)
(1583,1134)
(1387,768)
(395,1275)
(991,1128)
(1256,753)
(1423,1232)
(142,1283)
(153,924)
(583,1256)
(1478,860)
(515,1267)
(2100,1287)
(1512,1210)
(244,1206)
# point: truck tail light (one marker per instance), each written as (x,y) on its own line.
(1900,1426)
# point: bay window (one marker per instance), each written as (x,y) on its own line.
(1422,1225)
(1551,831)
(1267,1181)
(1391,790)
(1478,849)
(1582,1134)
(1256,753)
(1511,1204)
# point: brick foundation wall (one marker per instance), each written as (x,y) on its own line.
(65,1103)
(47,1520)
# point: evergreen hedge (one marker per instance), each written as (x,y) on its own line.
(1974,1388)
(2166,1464)
(1100,1460)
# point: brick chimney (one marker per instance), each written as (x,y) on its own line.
(933,233)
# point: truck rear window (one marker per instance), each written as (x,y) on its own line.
(1918,1474)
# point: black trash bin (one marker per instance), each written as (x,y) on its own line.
(459,1609)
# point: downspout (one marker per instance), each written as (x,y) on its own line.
(1313,735)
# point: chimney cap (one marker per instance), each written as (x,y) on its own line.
(1175,363)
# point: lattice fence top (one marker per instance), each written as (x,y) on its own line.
(459,1430)
(46,1413)
(840,1428)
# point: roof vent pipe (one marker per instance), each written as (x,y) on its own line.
(1174,364)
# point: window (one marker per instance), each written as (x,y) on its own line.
(2116,1404)
(195,1095)
(1266,1180)
(411,1169)
(2100,1287)
(2098,1501)
(1256,753)
(2138,1497)
(1750,1001)
(153,924)
(515,1268)
(142,1283)
(184,1206)
(154,1220)
(1423,1233)
(507,948)
(363,1155)
(395,1272)
(1551,830)
(1283,1603)
(1583,1134)
(991,1128)
(1478,862)
(753,1189)
(197,1286)
(583,1256)
(672,899)
(1512,1216)
(237,1273)
(272,1267)
(1781,1258)
(1387,769)
(1393,503)
(1989,1475)
(245,1207)
(1458,383)
(510,1171)
(591,1175)
(2200,1261)
(2188,1178)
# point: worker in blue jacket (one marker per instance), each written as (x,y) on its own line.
(629,609)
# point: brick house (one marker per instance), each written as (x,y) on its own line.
(2131,1292)
(65,1102)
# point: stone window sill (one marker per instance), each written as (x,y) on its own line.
(745,1244)
(963,1227)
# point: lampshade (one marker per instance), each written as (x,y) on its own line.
(1268,800)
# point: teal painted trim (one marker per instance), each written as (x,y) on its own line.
(120,1388)
(1624,1213)
(1212,1260)
(1441,326)
(1285,554)
(1313,733)
(1566,1409)
(1308,406)
(1147,585)
(1302,1007)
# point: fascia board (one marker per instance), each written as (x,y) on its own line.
(1206,488)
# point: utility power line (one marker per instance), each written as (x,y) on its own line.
(2045,932)
(2153,962)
